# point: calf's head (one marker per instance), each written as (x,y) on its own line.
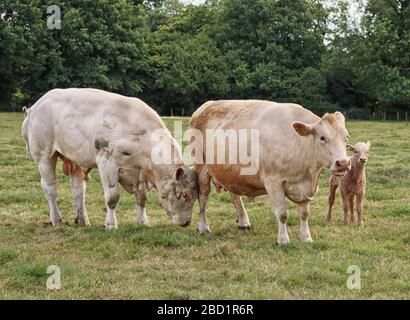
(360,153)
(178,196)
(329,136)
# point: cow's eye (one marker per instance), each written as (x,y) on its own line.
(323,138)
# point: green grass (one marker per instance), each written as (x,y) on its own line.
(167,262)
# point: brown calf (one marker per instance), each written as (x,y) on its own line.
(351,185)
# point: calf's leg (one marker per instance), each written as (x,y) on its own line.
(47,169)
(108,169)
(351,207)
(359,209)
(304,232)
(78,187)
(346,206)
(332,197)
(242,215)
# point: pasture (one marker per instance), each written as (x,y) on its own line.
(167,262)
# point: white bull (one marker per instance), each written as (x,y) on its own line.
(89,128)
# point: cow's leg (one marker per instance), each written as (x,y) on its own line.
(78,187)
(108,169)
(304,232)
(331,199)
(27,152)
(47,168)
(346,207)
(351,208)
(359,208)
(242,215)
(141,197)
(278,203)
(204,181)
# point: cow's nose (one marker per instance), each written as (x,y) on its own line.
(363,160)
(343,165)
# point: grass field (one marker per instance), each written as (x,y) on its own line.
(167,262)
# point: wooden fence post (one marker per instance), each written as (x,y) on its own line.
(398,116)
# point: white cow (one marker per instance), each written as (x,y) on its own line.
(294,147)
(90,128)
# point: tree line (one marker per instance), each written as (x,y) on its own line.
(175,56)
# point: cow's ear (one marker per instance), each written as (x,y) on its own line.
(349,147)
(302,129)
(178,174)
(340,116)
(368,144)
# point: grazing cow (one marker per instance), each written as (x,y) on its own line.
(294,147)
(90,128)
(352,185)
(24,131)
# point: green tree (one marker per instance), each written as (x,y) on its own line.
(270,46)
(101,44)
(369,66)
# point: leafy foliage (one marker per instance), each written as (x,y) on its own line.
(177,56)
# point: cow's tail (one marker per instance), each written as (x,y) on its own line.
(24,130)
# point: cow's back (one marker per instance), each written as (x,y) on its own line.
(68,120)
(249,113)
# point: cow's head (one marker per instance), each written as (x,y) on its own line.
(329,138)
(360,153)
(178,195)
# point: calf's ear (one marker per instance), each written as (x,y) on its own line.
(368,144)
(302,129)
(349,147)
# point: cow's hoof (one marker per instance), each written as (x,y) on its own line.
(109,227)
(307,240)
(57,223)
(283,240)
(143,222)
(245,227)
(82,222)
(203,229)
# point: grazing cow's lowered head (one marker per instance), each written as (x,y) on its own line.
(329,141)
(178,196)
(360,153)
